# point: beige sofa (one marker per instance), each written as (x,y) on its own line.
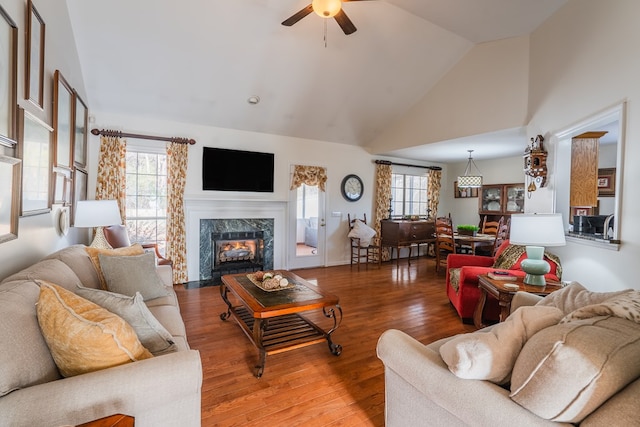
(164,390)
(421,390)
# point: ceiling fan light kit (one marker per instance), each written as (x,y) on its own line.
(325,9)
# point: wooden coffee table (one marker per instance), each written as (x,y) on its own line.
(504,296)
(272,320)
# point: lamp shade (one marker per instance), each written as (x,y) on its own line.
(97,213)
(326,8)
(537,230)
(469,181)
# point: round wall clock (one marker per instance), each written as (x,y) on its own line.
(352,188)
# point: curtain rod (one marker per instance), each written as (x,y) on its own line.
(119,134)
(387,162)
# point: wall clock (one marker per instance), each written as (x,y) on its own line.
(352,188)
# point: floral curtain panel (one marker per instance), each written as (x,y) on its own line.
(382,201)
(111,180)
(433,191)
(177,156)
(309,175)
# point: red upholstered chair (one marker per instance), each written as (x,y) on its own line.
(462,281)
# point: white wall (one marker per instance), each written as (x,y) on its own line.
(37,235)
(499,171)
(339,159)
(578,70)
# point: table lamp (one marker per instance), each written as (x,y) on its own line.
(97,213)
(536,231)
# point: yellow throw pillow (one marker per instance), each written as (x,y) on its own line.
(135,249)
(82,336)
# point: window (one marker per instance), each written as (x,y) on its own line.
(146,205)
(408,195)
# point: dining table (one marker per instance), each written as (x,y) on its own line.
(479,239)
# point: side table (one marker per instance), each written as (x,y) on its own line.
(496,289)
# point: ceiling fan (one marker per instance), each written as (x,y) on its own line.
(325,9)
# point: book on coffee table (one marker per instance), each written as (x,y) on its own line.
(501,275)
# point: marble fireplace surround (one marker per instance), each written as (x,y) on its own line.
(201,209)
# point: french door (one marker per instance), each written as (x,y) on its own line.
(306,227)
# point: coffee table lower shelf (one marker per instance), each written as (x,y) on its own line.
(283,333)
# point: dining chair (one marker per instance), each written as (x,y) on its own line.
(445,243)
(490,227)
(359,253)
(502,234)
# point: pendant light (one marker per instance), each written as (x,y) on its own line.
(467,180)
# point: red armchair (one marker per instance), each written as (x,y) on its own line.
(468,268)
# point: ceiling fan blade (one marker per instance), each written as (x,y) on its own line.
(297,16)
(345,23)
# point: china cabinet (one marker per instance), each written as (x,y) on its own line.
(501,199)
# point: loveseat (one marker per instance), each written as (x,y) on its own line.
(162,388)
(463,271)
(571,359)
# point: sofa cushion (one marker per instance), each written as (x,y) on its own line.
(566,371)
(575,296)
(82,336)
(625,306)
(490,355)
(51,270)
(153,336)
(78,260)
(25,359)
(130,274)
(95,252)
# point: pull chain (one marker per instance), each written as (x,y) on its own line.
(325,32)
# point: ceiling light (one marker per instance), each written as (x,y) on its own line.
(467,180)
(253,100)
(326,8)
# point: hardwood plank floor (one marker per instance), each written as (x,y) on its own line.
(310,386)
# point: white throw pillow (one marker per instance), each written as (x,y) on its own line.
(363,232)
(490,355)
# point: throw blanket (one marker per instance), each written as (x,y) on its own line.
(625,306)
(512,253)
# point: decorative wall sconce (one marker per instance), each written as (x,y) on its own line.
(535,164)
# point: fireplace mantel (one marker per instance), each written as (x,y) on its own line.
(197,209)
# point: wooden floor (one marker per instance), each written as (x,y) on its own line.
(310,386)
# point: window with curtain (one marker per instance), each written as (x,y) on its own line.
(146,205)
(409,195)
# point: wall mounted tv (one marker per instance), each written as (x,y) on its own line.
(236,170)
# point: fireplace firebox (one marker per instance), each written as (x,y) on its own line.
(236,252)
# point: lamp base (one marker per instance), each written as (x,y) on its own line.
(99,240)
(535,266)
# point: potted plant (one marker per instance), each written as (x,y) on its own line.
(468,229)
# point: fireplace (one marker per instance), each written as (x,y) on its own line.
(236,252)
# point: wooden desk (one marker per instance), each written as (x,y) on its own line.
(402,234)
(504,296)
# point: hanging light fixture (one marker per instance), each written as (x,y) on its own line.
(467,180)
(326,8)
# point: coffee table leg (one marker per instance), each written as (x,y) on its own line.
(223,294)
(335,349)
(259,326)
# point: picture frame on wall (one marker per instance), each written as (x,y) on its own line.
(35,151)
(62,121)
(9,197)
(8,79)
(61,186)
(607,182)
(81,120)
(34,66)
(463,193)
(80,185)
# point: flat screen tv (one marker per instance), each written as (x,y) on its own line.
(236,170)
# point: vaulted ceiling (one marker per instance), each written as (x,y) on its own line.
(198,61)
